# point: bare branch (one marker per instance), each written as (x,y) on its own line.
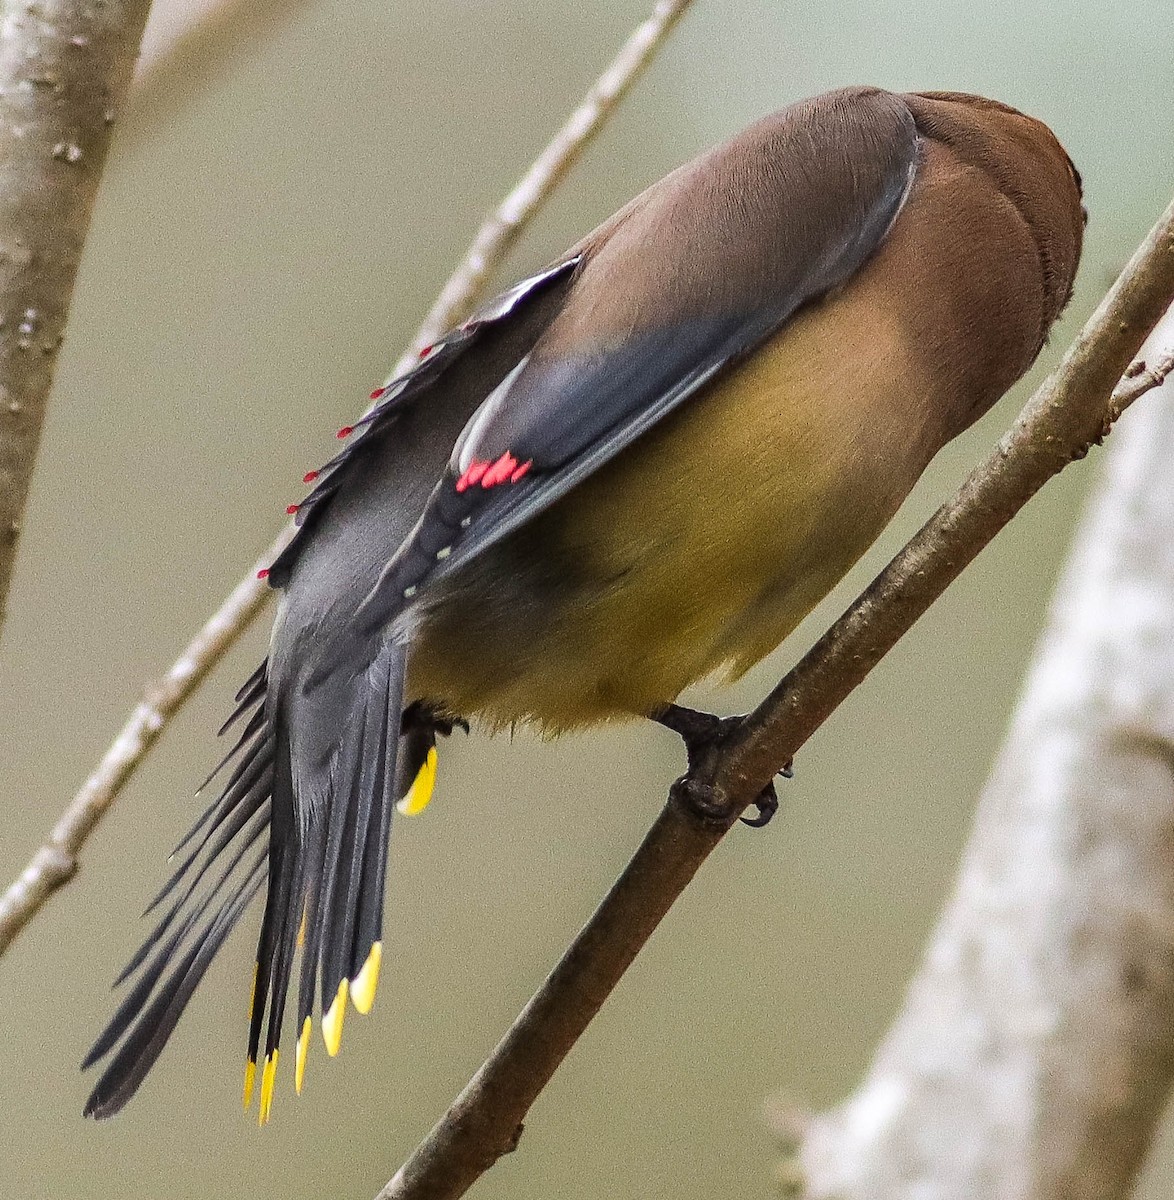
(164,698)
(181,32)
(64,72)
(1071,410)
(1035,1049)
(501,230)
(188,41)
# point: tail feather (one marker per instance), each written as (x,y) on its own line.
(323,866)
(245,791)
(354,803)
(288,921)
(149,1035)
(217,838)
(315,854)
(256,722)
(331,832)
(259,825)
(283,851)
(251,692)
(136,998)
(367,953)
(242,742)
(175,955)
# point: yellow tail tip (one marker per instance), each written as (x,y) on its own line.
(416,801)
(268,1074)
(332,1020)
(250,1077)
(367,980)
(303,1050)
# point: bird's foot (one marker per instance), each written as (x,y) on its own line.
(423,717)
(702,732)
(420,726)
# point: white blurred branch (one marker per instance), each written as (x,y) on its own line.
(177,23)
(1035,1050)
(187,41)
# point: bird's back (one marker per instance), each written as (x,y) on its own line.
(702,545)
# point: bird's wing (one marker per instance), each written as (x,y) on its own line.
(324,881)
(528,303)
(686,281)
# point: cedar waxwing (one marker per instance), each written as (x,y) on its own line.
(643,465)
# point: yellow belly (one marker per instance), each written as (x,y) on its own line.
(701,546)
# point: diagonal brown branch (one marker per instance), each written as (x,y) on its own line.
(55,862)
(64,73)
(1036,1031)
(1073,409)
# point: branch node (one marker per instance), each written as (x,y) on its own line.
(56,864)
(515,1138)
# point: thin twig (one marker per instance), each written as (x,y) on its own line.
(183,31)
(501,230)
(1141,377)
(1071,410)
(64,73)
(55,863)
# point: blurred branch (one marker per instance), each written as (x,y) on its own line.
(64,73)
(187,41)
(56,861)
(500,231)
(1035,1050)
(182,31)
(1073,409)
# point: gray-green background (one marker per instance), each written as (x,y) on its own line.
(267,236)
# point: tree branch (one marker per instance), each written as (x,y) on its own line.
(55,863)
(1073,408)
(186,35)
(64,73)
(1035,1049)
(500,231)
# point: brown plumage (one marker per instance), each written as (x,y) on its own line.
(701,546)
(643,465)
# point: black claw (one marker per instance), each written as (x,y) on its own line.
(424,717)
(767,803)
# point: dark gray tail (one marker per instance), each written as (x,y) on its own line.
(324,787)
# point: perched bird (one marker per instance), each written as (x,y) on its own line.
(643,465)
